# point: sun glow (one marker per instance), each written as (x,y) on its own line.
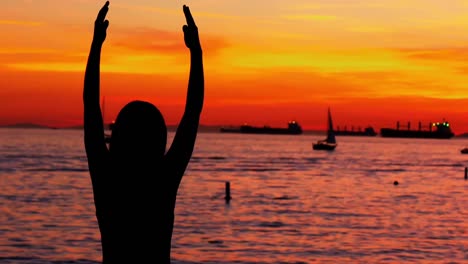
(281,61)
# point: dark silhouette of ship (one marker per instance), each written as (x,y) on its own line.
(107,137)
(367,132)
(440,130)
(329,143)
(293,129)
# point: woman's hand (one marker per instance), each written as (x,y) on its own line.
(191,32)
(101,24)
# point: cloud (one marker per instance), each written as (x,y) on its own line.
(145,8)
(434,83)
(346,5)
(175,12)
(150,40)
(21,23)
(25,57)
(451,62)
(310,17)
(442,54)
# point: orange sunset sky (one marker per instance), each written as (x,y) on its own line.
(266,62)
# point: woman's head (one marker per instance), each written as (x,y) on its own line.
(139,133)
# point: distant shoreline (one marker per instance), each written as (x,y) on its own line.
(202,128)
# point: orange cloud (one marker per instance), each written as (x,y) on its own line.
(21,23)
(151,40)
(454,55)
(22,57)
(310,17)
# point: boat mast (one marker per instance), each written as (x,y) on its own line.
(330,132)
(103,107)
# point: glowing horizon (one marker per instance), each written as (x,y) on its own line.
(372,63)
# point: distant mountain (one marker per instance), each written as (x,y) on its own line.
(27,125)
(201,128)
(462,135)
(216,128)
(74,127)
(207,128)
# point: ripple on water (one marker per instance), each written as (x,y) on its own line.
(291,204)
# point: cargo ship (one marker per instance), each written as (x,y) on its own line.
(367,132)
(293,129)
(439,130)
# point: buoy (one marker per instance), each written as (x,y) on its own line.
(228,192)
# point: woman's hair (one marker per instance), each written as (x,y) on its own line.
(139,133)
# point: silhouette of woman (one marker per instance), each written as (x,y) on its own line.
(135,181)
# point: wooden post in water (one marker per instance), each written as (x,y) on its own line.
(466,173)
(228,192)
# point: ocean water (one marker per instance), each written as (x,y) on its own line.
(290,204)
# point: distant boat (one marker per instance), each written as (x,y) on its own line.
(464,150)
(293,129)
(107,137)
(439,130)
(368,132)
(330,142)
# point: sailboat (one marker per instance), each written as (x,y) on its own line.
(330,142)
